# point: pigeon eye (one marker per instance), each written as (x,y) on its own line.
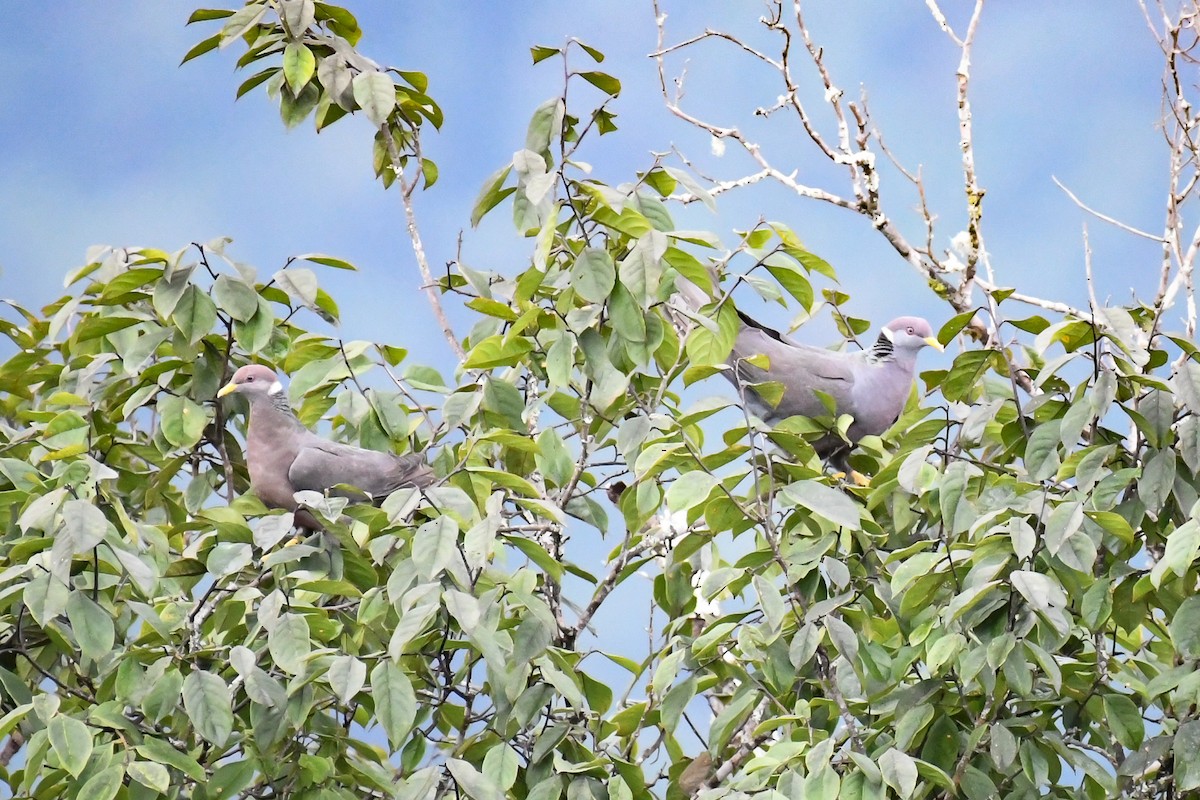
(250,378)
(910,330)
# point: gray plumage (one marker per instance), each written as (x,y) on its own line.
(284,457)
(871,386)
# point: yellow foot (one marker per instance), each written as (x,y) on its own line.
(855,477)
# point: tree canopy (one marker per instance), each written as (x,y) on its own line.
(1008,609)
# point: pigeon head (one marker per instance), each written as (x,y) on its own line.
(908,334)
(253,380)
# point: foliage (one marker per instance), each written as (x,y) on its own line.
(1006,610)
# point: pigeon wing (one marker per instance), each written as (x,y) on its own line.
(320,465)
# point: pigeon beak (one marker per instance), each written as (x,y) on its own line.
(929,340)
(228,388)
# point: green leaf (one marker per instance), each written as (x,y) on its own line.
(593,275)
(46,597)
(395,702)
(72,742)
(538,555)
(1046,596)
(208,14)
(1185,628)
(299,66)
(375,94)
(290,644)
(545,126)
(1124,720)
(241,21)
(541,52)
(295,108)
(642,269)
(92,626)
(497,351)
(84,525)
(966,374)
(602,81)
(491,194)
(327,261)
(1041,453)
(200,48)
(195,314)
(209,705)
(796,284)
(235,297)
(255,80)
(162,698)
(954,326)
(899,772)
(300,283)
(500,766)
(341,22)
(1183,544)
(689,489)
(833,505)
(346,677)
(707,346)
(1187,766)
(1158,476)
(1002,746)
(160,752)
(298,16)
(151,775)
(1066,538)
(553,459)
(472,781)
(182,422)
(104,785)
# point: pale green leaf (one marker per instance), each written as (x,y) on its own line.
(899,772)
(1124,720)
(207,701)
(1185,628)
(92,626)
(83,524)
(375,94)
(593,275)
(290,643)
(395,702)
(151,775)
(347,675)
(689,489)
(472,782)
(104,785)
(299,65)
(72,742)
(833,505)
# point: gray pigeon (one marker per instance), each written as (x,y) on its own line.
(871,386)
(284,457)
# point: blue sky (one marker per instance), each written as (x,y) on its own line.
(107,140)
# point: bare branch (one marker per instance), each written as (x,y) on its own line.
(1110,220)
(414,234)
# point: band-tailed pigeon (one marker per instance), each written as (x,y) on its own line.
(284,457)
(871,386)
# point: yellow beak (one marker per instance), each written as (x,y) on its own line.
(228,388)
(929,340)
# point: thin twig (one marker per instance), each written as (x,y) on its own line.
(414,235)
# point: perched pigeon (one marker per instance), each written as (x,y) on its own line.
(284,457)
(871,386)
